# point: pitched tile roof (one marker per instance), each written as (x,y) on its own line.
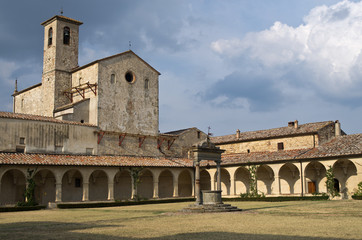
(260,157)
(307,128)
(178,132)
(347,145)
(82,160)
(39,118)
(63,18)
(116,55)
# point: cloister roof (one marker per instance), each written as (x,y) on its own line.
(84,160)
(308,128)
(342,146)
(346,145)
(39,118)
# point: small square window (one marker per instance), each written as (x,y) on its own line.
(22,140)
(20,149)
(59,149)
(89,151)
(280,146)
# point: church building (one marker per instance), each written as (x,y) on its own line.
(84,128)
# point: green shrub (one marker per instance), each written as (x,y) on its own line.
(279,199)
(121,203)
(359,190)
(355,197)
(23,208)
(332,192)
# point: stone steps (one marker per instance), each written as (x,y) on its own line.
(210,208)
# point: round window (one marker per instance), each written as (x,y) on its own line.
(130,77)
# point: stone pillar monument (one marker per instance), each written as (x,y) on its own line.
(208,200)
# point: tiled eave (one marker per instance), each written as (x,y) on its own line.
(84,160)
(262,138)
(301,130)
(31,117)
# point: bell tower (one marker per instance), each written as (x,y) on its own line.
(61,36)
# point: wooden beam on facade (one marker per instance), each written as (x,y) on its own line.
(141,140)
(121,138)
(169,143)
(100,136)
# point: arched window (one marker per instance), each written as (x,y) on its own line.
(113,78)
(66,35)
(50,36)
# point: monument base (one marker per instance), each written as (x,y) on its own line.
(211,201)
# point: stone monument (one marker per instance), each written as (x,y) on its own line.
(208,200)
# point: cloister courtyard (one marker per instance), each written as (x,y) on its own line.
(259,220)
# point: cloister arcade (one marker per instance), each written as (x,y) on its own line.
(64,184)
(285,178)
(70,184)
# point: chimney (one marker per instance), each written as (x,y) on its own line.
(337,128)
(293,124)
(238,134)
(296,124)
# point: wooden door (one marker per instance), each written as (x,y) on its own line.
(311,187)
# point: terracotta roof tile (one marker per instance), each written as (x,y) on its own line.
(83,160)
(39,118)
(260,157)
(346,145)
(178,132)
(270,133)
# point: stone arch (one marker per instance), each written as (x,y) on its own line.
(145,186)
(98,186)
(288,176)
(265,178)
(345,171)
(165,184)
(13,184)
(185,184)
(122,185)
(205,180)
(72,186)
(225,181)
(315,177)
(44,186)
(242,180)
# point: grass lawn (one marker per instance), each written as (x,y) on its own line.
(282,220)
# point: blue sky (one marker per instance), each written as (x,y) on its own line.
(230,65)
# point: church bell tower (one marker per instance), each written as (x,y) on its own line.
(61,36)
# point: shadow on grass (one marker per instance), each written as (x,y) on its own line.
(59,230)
(260,208)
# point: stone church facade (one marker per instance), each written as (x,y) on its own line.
(84,127)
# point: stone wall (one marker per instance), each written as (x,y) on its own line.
(327,133)
(124,106)
(185,141)
(29,102)
(271,145)
(46,137)
(136,146)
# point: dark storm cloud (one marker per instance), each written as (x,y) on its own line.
(259,90)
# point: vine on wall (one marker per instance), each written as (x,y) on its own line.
(30,190)
(136,178)
(252,192)
(331,190)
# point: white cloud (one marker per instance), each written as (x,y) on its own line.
(324,52)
